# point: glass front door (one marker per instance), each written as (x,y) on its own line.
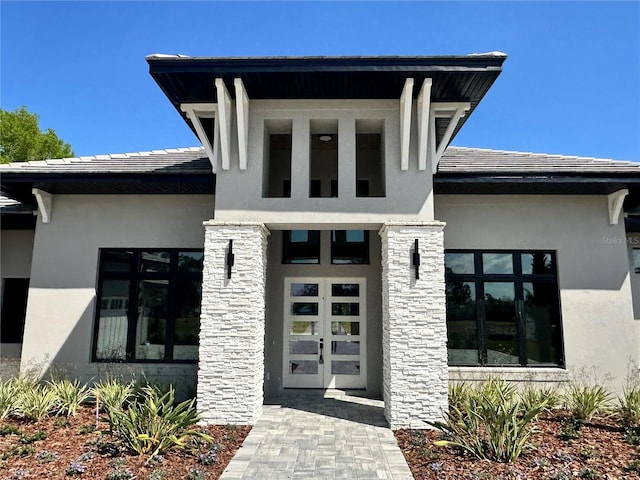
(324,333)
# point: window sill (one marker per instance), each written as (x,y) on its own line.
(512,374)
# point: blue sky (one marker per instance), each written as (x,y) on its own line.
(570,85)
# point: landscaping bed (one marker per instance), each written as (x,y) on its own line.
(600,452)
(65,440)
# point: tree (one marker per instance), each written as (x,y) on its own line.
(21,139)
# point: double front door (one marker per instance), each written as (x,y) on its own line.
(324,333)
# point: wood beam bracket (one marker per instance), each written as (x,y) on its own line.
(242,117)
(615,202)
(406,101)
(424,107)
(224,120)
(454,111)
(45,204)
(196,111)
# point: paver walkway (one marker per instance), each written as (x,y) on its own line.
(320,435)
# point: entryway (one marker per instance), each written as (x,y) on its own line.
(324,332)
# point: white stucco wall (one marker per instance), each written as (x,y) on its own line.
(593,268)
(408,192)
(60,310)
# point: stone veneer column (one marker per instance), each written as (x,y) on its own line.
(232,324)
(414,330)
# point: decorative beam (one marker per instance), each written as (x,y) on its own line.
(45,204)
(424,104)
(194,112)
(406,100)
(242,117)
(459,111)
(224,119)
(615,201)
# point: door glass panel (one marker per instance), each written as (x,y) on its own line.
(460,263)
(345,367)
(187,319)
(303,347)
(345,309)
(304,289)
(497,263)
(502,338)
(345,347)
(303,367)
(462,333)
(152,319)
(345,290)
(542,323)
(536,263)
(345,328)
(310,308)
(304,328)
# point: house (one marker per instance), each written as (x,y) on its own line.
(325,235)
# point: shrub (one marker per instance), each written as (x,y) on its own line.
(629,407)
(34,437)
(112,394)
(35,402)
(459,394)
(68,395)
(492,424)
(152,424)
(75,468)
(586,401)
(533,395)
(46,456)
(7,399)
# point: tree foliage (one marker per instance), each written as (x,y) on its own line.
(21,139)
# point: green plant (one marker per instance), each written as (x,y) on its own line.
(118,474)
(588,472)
(7,399)
(46,456)
(586,401)
(492,424)
(634,466)
(570,428)
(629,407)
(152,424)
(533,395)
(17,451)
(75,468)
(69,395)
(34,437)
(111,393)
(459,394)
(195,474)
(158,474)
(35,402)
(9,430)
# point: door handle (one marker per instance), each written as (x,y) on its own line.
(321,360)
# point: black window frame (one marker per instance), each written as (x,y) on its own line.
(292,250)
(517,278)
(134,276)
(365,244)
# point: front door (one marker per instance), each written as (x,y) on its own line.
(325,333)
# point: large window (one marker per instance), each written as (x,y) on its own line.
(14,309)
(148,305)
(503,308)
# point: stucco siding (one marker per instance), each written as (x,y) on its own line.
(60,309)
(15,253)
(593,267)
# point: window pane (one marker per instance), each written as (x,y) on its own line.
(462,330)
(497,263)
(112,321)
(542,323)
(345,367)
(350,247)
(636,260)
(303,367)
(459,263)
(14,309)
(345,289)
(304,328)
(304,289)
(187,320)
(345,309)
(537,263)
(345,328)
(154,261)
(345,347)
(152,319)
(117,261)
(301,246)
(303,347)
(190,261)
(310,308)
(501,326)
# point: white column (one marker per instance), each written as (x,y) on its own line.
(414,330)
(232,324)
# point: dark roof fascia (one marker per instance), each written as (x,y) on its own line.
(239,65)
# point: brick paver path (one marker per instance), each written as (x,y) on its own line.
(314,435)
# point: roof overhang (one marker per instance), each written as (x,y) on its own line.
(453,79)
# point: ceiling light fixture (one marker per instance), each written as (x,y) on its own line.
(325,138)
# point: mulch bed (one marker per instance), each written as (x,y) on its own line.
(73,439)
(601,452)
